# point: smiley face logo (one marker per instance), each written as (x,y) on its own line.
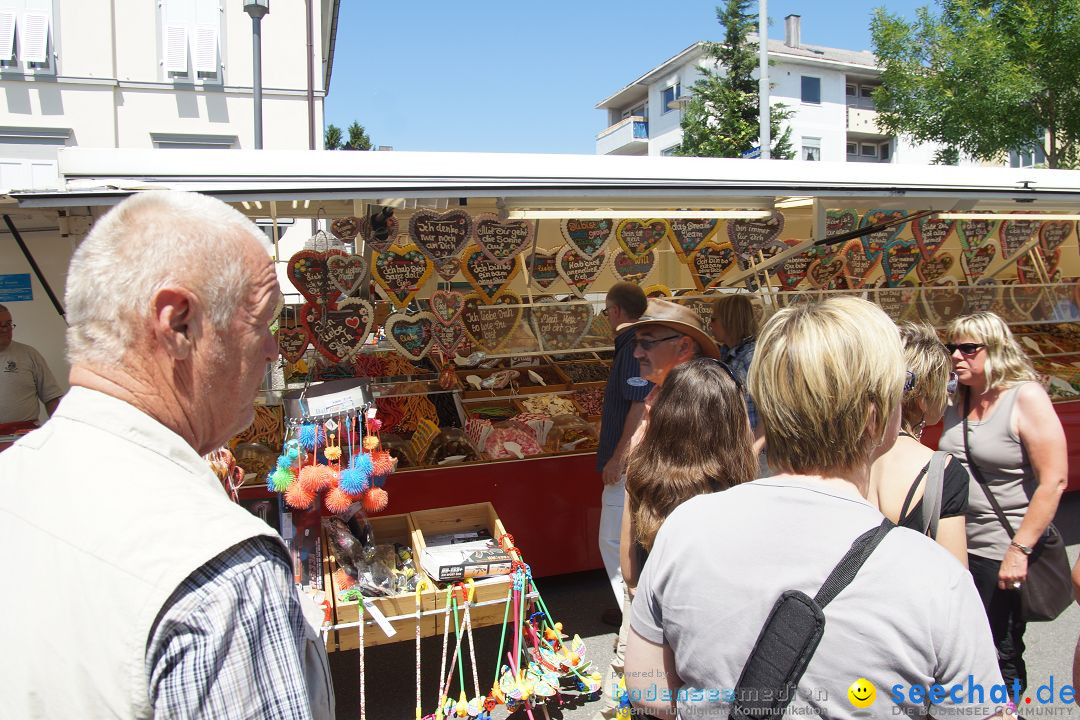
(862,693)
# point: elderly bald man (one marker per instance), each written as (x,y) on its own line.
(162,598)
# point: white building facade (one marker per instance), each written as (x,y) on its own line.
(829,91)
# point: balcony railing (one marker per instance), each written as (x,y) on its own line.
(629,136)
(862,120)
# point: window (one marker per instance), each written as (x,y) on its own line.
(175,141)
(852,149)
(190,40)
(1027,158)
(811,149)
(868,150)
(850,91)
(669,151)
(811,90)
(669,95)
(637,111)
(27,37)
(886,151)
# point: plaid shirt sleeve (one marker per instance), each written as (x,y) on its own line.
(227,642)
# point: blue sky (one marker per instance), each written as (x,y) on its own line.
(498,76)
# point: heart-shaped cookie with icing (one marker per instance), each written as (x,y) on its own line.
(821,272)
(489,326)
(502,240)
(633,269)
(579,271)
(897,302)
(858,265)
(346,273)
(1014,234)
(588,237)
(448,269)
(543,268)
(488,277)
(935,268)
(411,335)
(898,259)
(378,240)
(1052,234)
(401,272)
(446,306)
(974,262)
(293,343)
(985,295)
(638,237)
(440,235)
(307,269)
(874,243)
(974,233)
(657,291)
(709,263)
(688,234)
(449,338)
(337,333)
(560,326)
(931,234)
(749,237)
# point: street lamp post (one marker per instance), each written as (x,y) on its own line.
(257,9)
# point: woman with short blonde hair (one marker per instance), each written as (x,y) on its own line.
(1005,429)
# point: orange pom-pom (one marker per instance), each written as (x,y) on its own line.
(370,442)
(299,498)
(384,463)
(343,580)
(337,500)
(375,500)
(315,477)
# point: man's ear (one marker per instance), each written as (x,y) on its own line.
(174,321)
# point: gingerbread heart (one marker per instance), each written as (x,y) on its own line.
(308,272)
(859,266)
(560,326)
(985,295)
(543,268)
(489,326)
(709,263)
(898,259)
(633,269)
(935,268)
(973,233)
(942,301)
(1014,234)
(293,343)
(1025,303)
(975,262)
(1025,270)
(897,302)
(687,235)
(488,277)
(346,272)
(446,306)
(639,237)
(1053,234)
(448,269)
(749,237)
(874,243)
(449,338)
(502,240)
(345,228)
(838,222)
(384,237)
(821,272)
(657,291)
(931,233)
(440,235)
(337,333)
(579,271)
(588,237)
(411,335)
(401,272)
(794,270)
(701,306)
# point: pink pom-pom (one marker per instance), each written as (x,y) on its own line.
(316,477)
(375,500)
(374,425)
(383,462)
(299,498)
(337,500)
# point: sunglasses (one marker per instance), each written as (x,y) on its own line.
(648,345)
(967,349)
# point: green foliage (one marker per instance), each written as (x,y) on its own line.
(983,77)
(721,119)
(358,138)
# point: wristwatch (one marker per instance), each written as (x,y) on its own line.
(1022,548)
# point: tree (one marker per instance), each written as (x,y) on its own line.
(721,119)
(358,138)
(984,77)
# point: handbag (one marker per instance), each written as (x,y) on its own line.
(1048,589)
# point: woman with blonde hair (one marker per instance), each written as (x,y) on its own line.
(1004,427)
(828,379)
(906,486)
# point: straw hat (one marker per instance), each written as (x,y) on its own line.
(679,318)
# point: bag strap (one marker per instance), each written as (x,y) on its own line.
(977,473)
(844,572)
(935,482)
(910,495)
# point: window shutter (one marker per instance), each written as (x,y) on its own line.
(7,34)
(176,49)
(205,54)
(34,37)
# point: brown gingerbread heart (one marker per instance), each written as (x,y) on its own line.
(588,237)
(488,277)
(446,306)
(489,326)
(411,335)
(337,333)
(543,268)
(639,237)
(346,272)
(579,271)
(560,326)
(308,272)
(709,263)
(401,272)
(688,234)
(502,240)
(1013,234)
(935,267)
(440,235)
(975,262)
(293,343)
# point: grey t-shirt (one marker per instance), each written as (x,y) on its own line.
(24,380)
(911,616)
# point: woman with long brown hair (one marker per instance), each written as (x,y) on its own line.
(697,441)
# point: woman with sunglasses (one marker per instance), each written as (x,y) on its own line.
(1015,445)
(899,479)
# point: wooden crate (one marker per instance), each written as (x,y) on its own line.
(387,529)
(464,518)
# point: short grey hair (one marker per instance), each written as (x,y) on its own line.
(150,241)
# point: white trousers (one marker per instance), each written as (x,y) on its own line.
(611,511)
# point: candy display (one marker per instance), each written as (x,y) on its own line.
(547,405)
(589,400)
(450,446)
(570,433)
(583,372)
(511,440)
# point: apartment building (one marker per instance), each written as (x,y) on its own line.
(829,90)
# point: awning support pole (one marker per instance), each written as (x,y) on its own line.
(34,266)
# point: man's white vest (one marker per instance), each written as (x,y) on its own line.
(103,513)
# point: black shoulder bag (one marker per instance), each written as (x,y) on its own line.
(1048,588)
(791,635)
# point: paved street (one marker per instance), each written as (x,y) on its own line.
(577,601)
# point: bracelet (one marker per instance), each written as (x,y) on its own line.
(1022,548)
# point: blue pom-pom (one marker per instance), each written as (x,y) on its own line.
(362,462)
(308,436)
(353,481)
(284,461)
(294,453)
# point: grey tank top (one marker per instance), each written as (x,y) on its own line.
(1004,463)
